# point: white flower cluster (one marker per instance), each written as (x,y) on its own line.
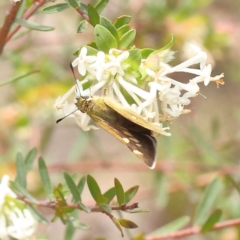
(158,98)
(15,221)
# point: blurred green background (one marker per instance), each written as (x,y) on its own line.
(204,143)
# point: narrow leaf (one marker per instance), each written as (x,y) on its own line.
(82,26)
(36,214)
(84,207)
(81,184)
(24,192)
(110,194)
(122,21)
(55,8)
(233,182)
(106,208)
(30,159)
(21,171)
(69,231)
(17,78)
(47,186)
(138,210)
(211,221)
(119,192)
(101,5)
(77,224)
(118,225)
(126,223)
(168,46)
(127,39)
(130,193)
(93,187)
(72,187)
(210,195)
(104,39)
(172,226)
(33,26)
(73,3)
(93,15)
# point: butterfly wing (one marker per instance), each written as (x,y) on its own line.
(137,138)
(132,116)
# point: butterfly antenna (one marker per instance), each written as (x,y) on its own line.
(71,66)
(60,119)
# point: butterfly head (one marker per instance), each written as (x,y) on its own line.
(83,103)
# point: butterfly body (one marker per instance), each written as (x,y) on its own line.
(124,124)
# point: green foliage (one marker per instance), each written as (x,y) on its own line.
(55,8)
(104,39)
(34,26)
(45,178)
(208,201)
(119,192)
(211,221)
(172,226)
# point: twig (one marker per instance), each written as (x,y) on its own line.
(9,19)
(194,230)
(37,4)
(54,204)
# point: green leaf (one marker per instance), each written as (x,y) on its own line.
(3,83)
(104,39)
(106,208)
(122,21)
(36,214)
(21,171)
(33,26)
(123,29)
(117,224)
(94,17)
(101,5)
(130,193)
(24,192)
(210,195)
(134,59)
(73,3)
(168,46)
(109,26)
(72,187)
(84,207)
(77,224)
(82,26)
(47,186)
(233,182)
(81,184)
(55,8)
(69,231)
(127,224)
(145,52)
(119,192)
(127,39)
(110,194)
(30,159)
(173,226)
(137,210)
(211,221)
(93,187)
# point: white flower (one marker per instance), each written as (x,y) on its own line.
(15,220)
(154,95)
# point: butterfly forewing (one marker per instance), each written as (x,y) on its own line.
(127,126)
